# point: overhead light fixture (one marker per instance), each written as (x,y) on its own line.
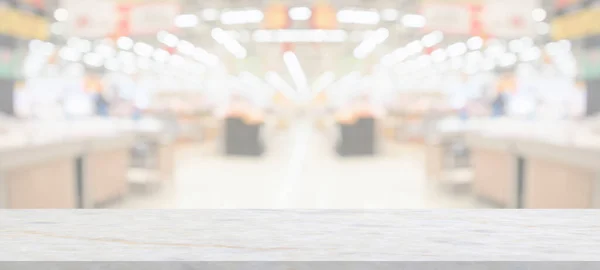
(242,17)
(475,43)
(144,63)
(516,46)
(295,69)
(370,43)
(352,16)
(61,15)
(439,55)
(143,49)
(176,60)
(105,51)
(186,21)
(230,44)
(531,54)
(210,14)
(300,36)
(539,14)
(457,49)
(112,64)
(275,80)
(167,38)
(82,45)
(432,39)
(69,54)
(125,43)
(325,80)
(415,47)
(414,21)
(300,13)
(185,47)
(205,57)
(389,15)
(508,59)
(93,59)
(161,55)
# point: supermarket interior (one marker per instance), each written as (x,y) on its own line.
(299,104)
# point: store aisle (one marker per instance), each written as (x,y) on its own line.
(300,170)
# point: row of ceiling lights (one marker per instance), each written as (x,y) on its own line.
(253,16)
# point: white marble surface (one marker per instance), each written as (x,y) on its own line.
(295,235)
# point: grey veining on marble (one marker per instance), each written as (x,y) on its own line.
(294,235)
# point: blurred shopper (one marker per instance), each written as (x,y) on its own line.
(102,105)
(499,105)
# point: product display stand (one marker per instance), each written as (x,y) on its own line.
(242,139)
(357,139)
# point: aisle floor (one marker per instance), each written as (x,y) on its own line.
(300,171)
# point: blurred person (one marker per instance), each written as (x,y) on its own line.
(499,105)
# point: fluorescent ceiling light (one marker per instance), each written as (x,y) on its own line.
(531,54)
(432,39)
(295,69)
(144,63)
(125,43)
(186,21)
(203,56)
(177,61)
(457,49)
(161,55)
(112,64)
(210,14)
(61,15)
(516,46)
(368,46)
(300,13)
(242,17)
(82,45)
(69,54)
(539,14)
(414,21)
(508,59)
(475,43)
(414,47)
(185,47)
(93,59)
(369,17)
(300,36)
(105,51)
(325,80)
(230,44)
(439,55)
(168,39)
(275,80)
(389,14)
(143,49)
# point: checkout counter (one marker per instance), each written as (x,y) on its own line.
(67,167)
(244,131)
(536,165)
(357,133)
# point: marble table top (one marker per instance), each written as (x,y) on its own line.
(294,235)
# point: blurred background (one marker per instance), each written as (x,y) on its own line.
(274,104)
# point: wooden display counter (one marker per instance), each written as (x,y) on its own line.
(39,177)
(494,170)
(531,173)
(560,176)
(107,163)
(64,175)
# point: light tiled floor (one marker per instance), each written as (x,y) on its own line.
(300,170)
